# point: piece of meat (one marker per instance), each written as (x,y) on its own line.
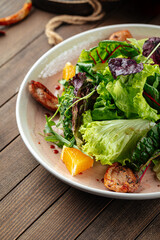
(120,35)
(120,179)
(42,95)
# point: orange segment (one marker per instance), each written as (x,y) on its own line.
(75,161)
(68,71)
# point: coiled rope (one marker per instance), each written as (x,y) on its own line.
(54,38)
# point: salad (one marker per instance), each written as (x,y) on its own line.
(109,110)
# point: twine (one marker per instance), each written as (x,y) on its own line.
(54,38)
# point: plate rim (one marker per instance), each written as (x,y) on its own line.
(82,187)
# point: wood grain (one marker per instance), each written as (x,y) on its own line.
(28,201)
(16,163)
(70,215)
(19,66)
(124,219)
(152,231)
(8,125)
(22,34)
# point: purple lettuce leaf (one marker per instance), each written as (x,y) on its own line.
(77,82)
(148,47)
(124,66)
(82,87)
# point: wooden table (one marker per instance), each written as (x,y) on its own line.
(34,204)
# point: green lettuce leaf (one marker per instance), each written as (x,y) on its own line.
(104,107)
(96,76)
(146,147)
(127,92)
(152,91)
(108,49)
(112,141)
(156,167)
(137,43)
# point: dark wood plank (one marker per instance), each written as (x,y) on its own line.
(19,66)
(16,162)
(22,34)
(152,231)
(122,219)
(8,127)
(68,217)
(28,201)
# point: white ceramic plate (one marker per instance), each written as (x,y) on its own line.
(30,115)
